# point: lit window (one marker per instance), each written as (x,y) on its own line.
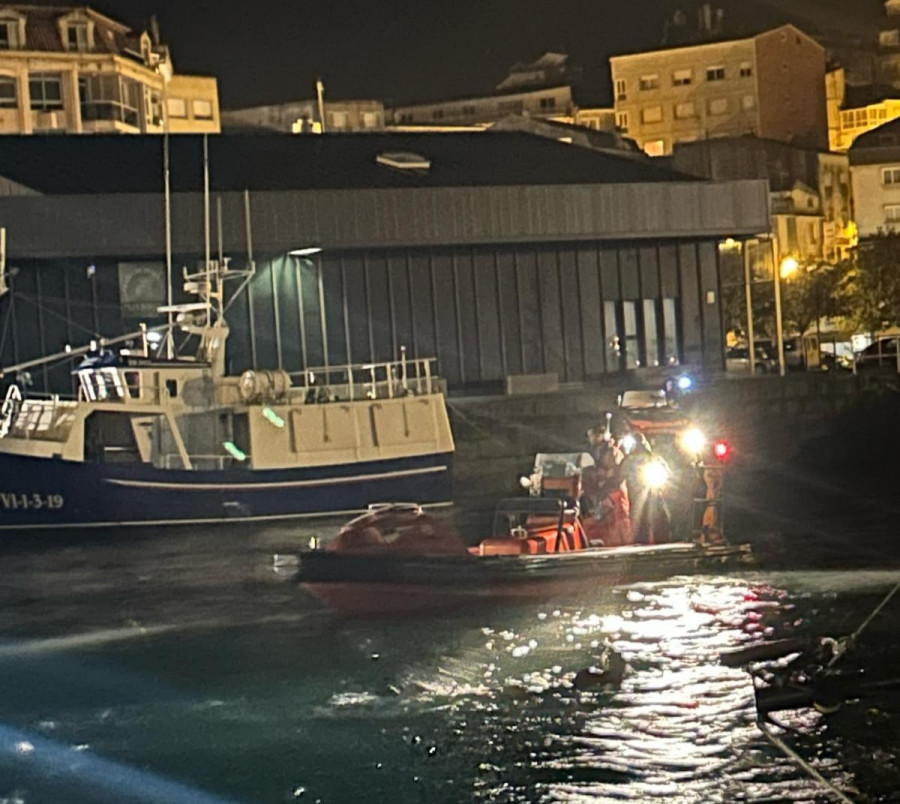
(685,110)
(890,175)
(622,121)
(718,106)
(77,37)
(620,89)
(746,69)
(649,81)
(862,118)
(9,34)
(340,120)
(46,91)
(889,38)
(655,148)
(682,78)
(715,73)
(370,119)
(652,114)
(177,107)
(748,102)
(892,213)
(203,109)
(847,119)
(9,92)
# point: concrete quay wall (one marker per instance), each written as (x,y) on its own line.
(764,418)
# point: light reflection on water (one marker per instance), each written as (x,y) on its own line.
(201,667)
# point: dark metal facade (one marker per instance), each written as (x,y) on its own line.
(580,310)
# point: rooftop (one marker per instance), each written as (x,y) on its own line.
(99,164)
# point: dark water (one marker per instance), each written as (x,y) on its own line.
(184,669)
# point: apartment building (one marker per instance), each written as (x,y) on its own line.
(875,176)
(771,85)
(809,190)
(72,70)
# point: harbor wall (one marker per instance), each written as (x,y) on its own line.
(815,420)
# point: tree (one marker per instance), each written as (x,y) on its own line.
(814,292)
(871,289)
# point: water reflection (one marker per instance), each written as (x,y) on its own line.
(189,660)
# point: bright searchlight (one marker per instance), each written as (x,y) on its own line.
(654,475)
(693,441)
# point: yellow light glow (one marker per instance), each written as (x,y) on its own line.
(789,266)
(655,475)
(693,441)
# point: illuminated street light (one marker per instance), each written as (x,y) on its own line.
(789,267)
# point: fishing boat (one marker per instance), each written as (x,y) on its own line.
(158,438)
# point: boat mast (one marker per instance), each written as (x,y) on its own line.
(170,337)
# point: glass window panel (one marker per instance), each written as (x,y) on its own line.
(613,338)
(651,334)
(9,94)
(670,332)
(632,344)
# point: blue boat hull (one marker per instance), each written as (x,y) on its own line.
(40,493)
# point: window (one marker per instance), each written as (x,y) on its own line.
(548,103)
(715,73)
(438,114)
(748,102)
(685,110)
(339,120)
(746,69)
(622,121)
(655,148)
(652,114)
(370,119)
(649,81)
(889,38)
(177,107)
(651,333)
(9,34)
(892,213)
(203,109)
(465,110)
(718,106)
(110,97)
(682,78)
(613,340)
(9,92)
(621,89)
(847,119)
(632,339)
(46,91)
(77,37)
(861,118)
(890,175)
(670,331)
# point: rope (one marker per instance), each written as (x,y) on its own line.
(789,752)
(846,644)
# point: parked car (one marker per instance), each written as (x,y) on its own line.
(737,360)
(879,354)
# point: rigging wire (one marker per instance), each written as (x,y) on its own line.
(839,653)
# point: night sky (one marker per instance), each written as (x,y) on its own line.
(266,51)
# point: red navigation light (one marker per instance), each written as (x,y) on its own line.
(721,450)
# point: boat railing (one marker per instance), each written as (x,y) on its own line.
(390,380)
(37,416)
(199,463)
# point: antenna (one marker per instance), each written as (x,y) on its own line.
(206,222)
(320,95)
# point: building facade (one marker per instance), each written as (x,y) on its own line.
(854,110)
(75,71)
(771,85)
(302,117)
(499,254)
(875,174)
(810,195)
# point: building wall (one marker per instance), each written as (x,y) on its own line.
(302,116)
(725,107)
(791,79)
(550,102)
(874,200)
(193,104)
(581,310)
